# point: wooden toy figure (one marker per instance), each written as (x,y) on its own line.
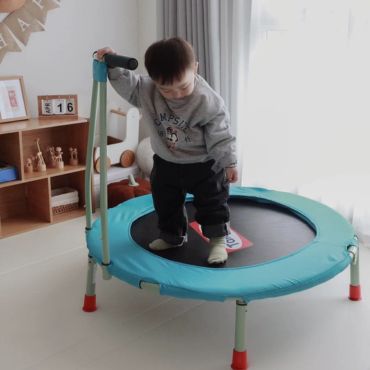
(28,167)
(34,162)
(73,156)
(52,156)
(58,157)
(41,166)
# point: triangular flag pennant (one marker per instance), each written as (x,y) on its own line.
(22,23)
(40,8)
(7,42)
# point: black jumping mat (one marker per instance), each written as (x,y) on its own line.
(269,230)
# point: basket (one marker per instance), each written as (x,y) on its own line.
(63,200)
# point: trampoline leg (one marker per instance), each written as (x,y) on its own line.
(355,287)
(239,361)
(90,297)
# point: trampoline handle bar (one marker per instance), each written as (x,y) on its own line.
(114,60)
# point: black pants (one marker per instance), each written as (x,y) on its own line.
(171,181)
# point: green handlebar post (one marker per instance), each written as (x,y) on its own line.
(89,155)
(99,95)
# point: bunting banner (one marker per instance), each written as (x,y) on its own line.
(20,23)
(7,42)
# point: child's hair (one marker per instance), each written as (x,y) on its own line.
(167,60)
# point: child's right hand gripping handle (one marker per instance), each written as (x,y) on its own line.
(114,60)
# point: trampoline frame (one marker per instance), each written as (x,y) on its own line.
(98,102)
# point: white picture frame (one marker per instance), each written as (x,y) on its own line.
(13,101)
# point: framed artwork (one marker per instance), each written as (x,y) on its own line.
(13,101)
(57,106)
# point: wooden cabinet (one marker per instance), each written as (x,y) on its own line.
(25,203)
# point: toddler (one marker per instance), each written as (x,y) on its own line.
(190,136)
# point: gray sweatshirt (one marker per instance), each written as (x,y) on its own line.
(188,130)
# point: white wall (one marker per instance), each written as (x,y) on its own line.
(58,60)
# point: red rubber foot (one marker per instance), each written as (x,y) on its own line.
(355,292)
(239,360)
(89,303)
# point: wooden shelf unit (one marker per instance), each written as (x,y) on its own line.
(25,204)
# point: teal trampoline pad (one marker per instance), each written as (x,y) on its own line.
(321,258)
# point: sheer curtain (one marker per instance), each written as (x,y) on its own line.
(308,86)
(219,32)
(296,77)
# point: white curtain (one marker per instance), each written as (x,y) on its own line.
(296,77)
(308,89)
(219,32)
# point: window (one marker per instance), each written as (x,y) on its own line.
(308,86)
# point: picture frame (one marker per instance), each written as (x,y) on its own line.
(13,100)
(57,106)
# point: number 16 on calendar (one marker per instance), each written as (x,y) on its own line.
(57,106)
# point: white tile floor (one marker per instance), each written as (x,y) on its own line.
(42,326)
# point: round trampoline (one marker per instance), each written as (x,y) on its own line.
(293,243)
(286,243)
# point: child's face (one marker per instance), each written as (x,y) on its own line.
(180,88)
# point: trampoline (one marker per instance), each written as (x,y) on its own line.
(288,243)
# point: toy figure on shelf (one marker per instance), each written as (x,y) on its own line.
(28,166)
(41,166)
(73,156)
(52,156)
(34,162)
(58,158)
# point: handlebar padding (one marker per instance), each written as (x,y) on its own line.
(114,60)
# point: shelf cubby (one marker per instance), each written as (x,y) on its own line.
(25,203)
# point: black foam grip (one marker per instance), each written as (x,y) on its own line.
(114,60)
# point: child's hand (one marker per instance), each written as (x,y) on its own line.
(101,52)
(232,174)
